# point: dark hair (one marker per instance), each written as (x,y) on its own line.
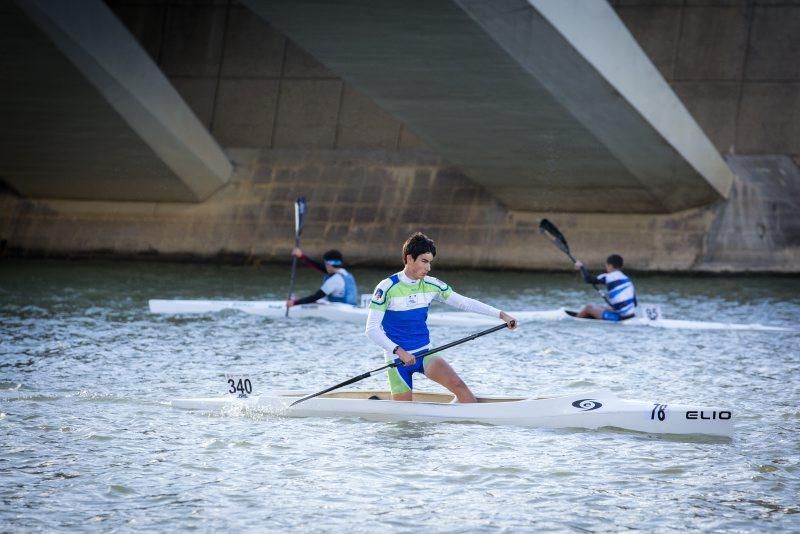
(333,255)
(418,244)
(615,260)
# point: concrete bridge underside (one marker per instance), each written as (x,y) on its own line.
(550,105)
(86,114)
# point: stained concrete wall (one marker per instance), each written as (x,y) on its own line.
(368,202)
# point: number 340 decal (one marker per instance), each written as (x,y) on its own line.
(659,411)
(240,385)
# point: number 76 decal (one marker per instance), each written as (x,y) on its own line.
(660,411)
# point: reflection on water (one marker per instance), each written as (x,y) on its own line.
(87,439)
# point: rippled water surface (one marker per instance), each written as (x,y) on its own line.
(88,442)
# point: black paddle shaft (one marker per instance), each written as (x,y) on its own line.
(550,231)
(397,364)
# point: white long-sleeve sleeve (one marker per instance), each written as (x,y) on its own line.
(471,305)
(375,332)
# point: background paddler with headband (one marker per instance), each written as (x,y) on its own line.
(338,285)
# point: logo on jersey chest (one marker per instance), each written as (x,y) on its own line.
(412,299)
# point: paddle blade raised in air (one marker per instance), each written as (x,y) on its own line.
(550,231)
(299,215)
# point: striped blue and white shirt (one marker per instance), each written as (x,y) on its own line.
(620,292)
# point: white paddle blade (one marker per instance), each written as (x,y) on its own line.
(299,214)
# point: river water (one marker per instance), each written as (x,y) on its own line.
(88,442)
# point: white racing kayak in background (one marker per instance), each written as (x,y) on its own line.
(658,321)
(276,309)
(590,410)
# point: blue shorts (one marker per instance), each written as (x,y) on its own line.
(401,378)
(609,315)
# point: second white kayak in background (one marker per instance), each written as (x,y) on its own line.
(276,309)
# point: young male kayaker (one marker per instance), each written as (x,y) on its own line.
(396,321)
(619,291)
(338,285)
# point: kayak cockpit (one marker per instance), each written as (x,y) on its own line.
(419,396)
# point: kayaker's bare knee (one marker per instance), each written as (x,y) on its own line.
(460,389)
(456,383)
(440,372)
(463,393)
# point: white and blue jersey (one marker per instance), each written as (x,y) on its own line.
(340,287)
(620,292)
(404,304)
(397,317)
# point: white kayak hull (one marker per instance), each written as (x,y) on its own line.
(276,309)
(562,314)
(589,410)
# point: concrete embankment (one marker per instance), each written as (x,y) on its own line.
(367,202)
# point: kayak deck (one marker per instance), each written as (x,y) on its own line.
(591,410)
(418,396)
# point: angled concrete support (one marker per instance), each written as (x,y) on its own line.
(585,57)
(551,105)
(92,116)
